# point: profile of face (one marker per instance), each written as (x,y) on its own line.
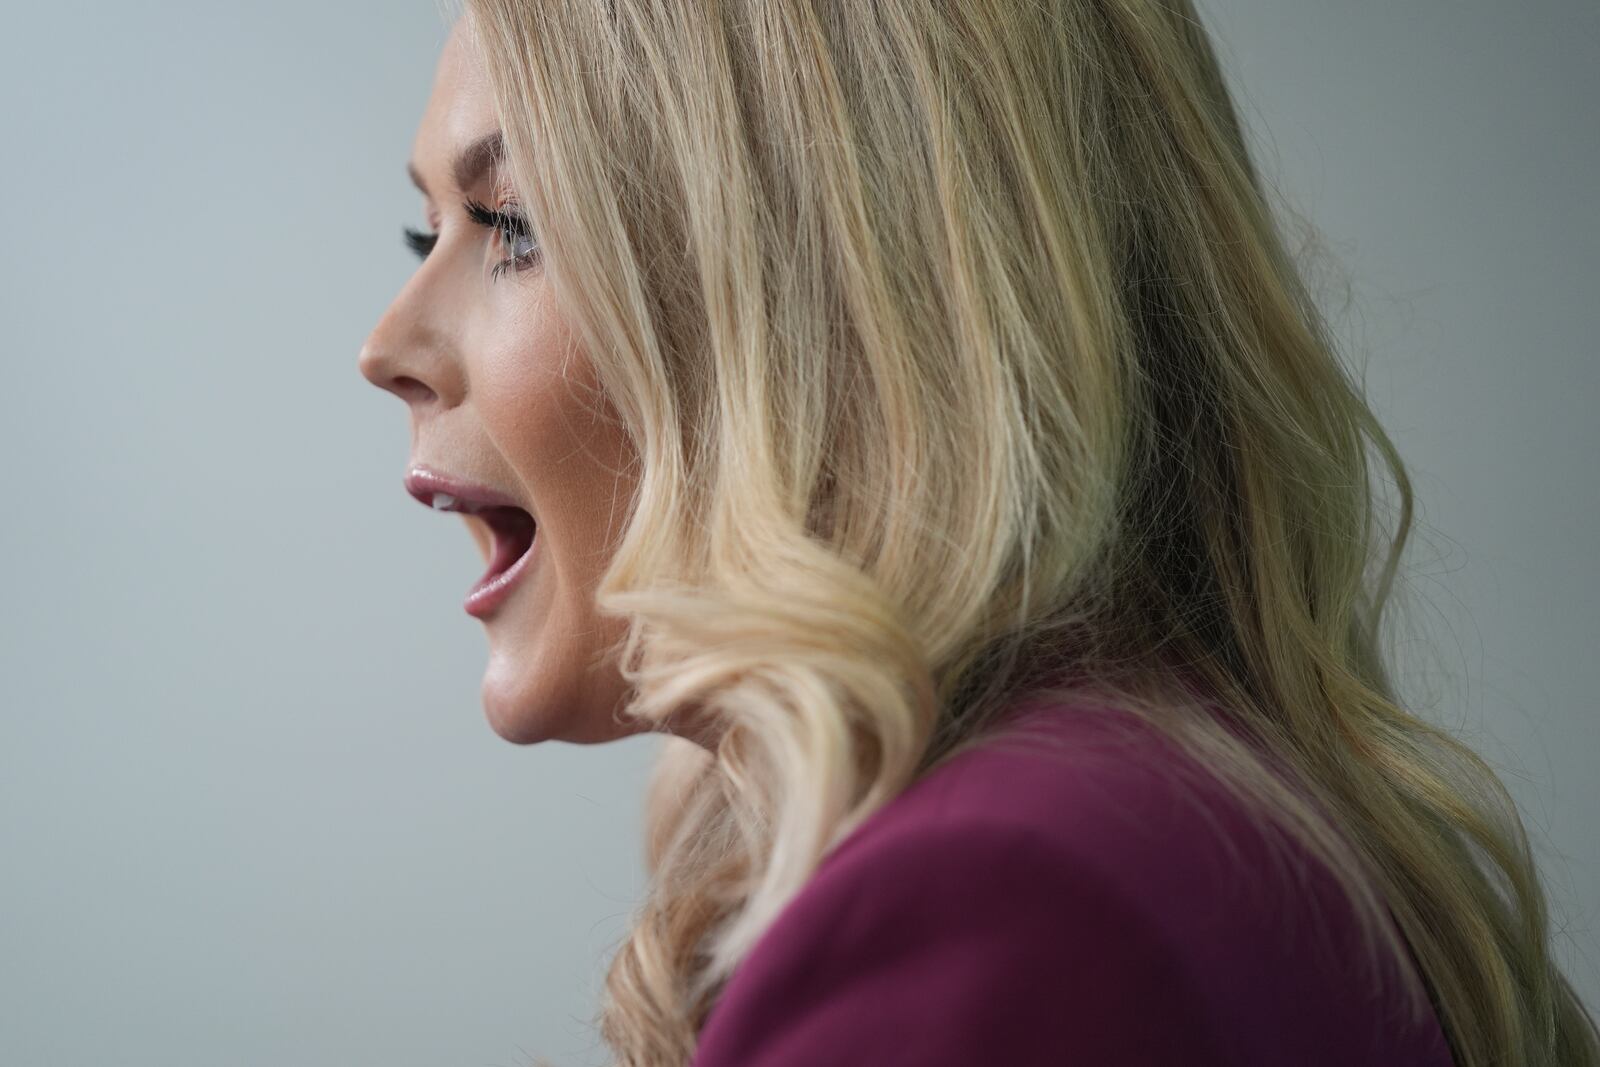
(508,424)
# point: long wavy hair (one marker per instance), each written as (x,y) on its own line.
(966,360)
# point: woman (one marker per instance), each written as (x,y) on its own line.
(912,408)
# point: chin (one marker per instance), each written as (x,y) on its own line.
(524,709)
(516,709)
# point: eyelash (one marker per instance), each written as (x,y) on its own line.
(510,226)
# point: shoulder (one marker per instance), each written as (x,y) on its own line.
(945,944)
(1070,893)
(981,916)
(1082,794)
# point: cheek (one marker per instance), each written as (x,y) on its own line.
(519,376)
(527,405)
(542,407)
(523,400)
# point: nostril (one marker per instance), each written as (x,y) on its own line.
(410,390)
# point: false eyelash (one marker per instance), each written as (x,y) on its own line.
(496,220)
(419,242)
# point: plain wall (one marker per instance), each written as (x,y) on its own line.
(250,810)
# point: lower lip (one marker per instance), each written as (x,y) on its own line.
(486,596)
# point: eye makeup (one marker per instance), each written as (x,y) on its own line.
(513,230)
(419,242)
(516,235)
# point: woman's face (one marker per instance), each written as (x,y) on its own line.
(501,399)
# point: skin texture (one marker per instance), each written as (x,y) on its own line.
(499,393)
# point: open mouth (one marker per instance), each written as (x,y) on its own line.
(513,530)
(514,537)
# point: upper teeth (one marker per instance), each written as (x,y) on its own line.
(443,501)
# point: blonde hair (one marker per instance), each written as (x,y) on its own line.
(965,361)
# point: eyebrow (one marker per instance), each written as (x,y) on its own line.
(471,164)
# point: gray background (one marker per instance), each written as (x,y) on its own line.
(250,811)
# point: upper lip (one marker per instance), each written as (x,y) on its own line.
(424,483)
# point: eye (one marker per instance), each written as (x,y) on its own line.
(515,234)
(520,244)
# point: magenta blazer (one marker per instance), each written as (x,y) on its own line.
(1019,911)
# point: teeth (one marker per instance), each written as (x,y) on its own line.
(443,501)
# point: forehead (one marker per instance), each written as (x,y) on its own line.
(459,111)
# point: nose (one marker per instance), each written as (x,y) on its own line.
(410,354)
